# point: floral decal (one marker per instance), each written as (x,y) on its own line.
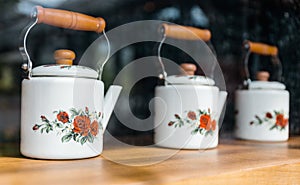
(60,66)
(195,77)
(276,119)
(65,66)
(63,117)
(81,126)
(200,121)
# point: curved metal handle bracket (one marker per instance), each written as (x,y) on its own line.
(27,65)
(274,58)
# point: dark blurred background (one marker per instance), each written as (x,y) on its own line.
(275,22)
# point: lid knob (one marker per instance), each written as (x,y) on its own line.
(262,76)
(64,57)
(189,69)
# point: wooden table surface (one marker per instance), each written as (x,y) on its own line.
(233,162)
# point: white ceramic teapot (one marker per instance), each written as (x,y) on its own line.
(262,106)
(63,109)
(188,115)
(189,118)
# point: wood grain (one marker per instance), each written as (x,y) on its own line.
(185,32)
(233,162)
(69,20)
(261,48)
(64,57)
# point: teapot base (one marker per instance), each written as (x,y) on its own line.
(57,157)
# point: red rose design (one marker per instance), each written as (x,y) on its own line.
(35,127)
(213,125)
(82,125)
(208,126)
(204,121)
(269,115)
(171,123)
(177,116)
(281,121)
(285,122)
(63,117)
(94,128)
(44,118)
(191,115)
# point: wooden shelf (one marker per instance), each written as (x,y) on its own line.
(233,162)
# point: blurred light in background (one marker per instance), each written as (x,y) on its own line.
(25,6)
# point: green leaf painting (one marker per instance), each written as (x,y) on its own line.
(81,127)
(200,121)
(276,119)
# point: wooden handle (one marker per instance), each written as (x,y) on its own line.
(184,32)
(261,48)
(64,57)
(188,68)
(69,20)
(262,76)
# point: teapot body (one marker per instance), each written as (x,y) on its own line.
(185,116)
(61,117)
(262,114)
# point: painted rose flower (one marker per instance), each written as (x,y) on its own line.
(43,118)
(171,123)
(191,115)
(211,125)
(281,121)
(200,121)
(204,121)
(63,117)
(82,125)
(94,128)
(269,115)
(177,116)
(78,125)
(208,126)
(35,127)
(276,118)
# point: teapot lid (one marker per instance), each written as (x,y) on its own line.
(63,67)
(188,77)
(266,85)
(263,83)
(190,80)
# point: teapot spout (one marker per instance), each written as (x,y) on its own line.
(221,103)
(110,101)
